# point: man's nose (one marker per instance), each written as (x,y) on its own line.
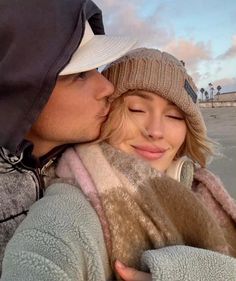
(106,88)
(155,128)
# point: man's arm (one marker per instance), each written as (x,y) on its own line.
(188,263)
(181,263)
(60,239)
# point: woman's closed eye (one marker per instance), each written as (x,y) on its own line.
(174,113)
(175,117)
(136,110)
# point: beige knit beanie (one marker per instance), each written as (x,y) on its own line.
(157,72)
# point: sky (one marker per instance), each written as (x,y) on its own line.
(201,33)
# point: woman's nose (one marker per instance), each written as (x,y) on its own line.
(155,129)
(105,87)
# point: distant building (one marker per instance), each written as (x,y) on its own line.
(228,96)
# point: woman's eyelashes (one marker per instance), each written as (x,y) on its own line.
(175,116)
(136,110)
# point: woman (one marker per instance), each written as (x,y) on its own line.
(154,121)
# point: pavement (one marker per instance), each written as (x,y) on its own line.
(221,126)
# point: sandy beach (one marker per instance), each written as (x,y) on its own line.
(221,126)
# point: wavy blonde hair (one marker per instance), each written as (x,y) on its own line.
(197,146)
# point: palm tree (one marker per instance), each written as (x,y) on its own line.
(212,90)
(218,91)
(212,93)
(202,90)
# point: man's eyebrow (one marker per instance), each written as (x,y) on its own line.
(140,94)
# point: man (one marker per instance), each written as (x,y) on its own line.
(51,93)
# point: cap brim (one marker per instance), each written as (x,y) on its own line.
(100,50)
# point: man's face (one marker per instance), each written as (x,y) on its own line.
(74,113)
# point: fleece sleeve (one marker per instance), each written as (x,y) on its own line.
(187,263)
(60,239)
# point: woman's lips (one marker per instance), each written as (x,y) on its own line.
(150,153)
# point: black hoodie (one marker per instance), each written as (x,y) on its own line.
(37,39)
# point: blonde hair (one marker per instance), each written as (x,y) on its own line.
(197,146)
(116,128)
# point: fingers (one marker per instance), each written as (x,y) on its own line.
(131,274)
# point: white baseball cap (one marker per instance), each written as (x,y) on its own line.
(97,50)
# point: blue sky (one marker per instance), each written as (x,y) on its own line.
(202,33)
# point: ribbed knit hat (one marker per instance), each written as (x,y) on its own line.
(160,73)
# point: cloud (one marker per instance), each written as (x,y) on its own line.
(231,52)
(127,18)
(149,24)
(151,30)
(196,75)
(227,84)
(190,52)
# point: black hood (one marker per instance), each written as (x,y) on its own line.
(37,39)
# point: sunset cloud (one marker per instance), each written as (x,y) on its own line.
(231,52)
(193,54)
(190,52)
(227,84)
(187,31)
(127,18)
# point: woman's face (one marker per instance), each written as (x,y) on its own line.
(161,129)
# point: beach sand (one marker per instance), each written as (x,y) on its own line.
(221,126)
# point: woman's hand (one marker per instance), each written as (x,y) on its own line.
(131,274)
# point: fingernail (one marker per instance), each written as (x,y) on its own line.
(119,264)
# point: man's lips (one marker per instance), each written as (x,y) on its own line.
(148,152)
(104,113)
(103,116)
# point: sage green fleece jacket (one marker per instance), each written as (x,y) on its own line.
(61,239)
